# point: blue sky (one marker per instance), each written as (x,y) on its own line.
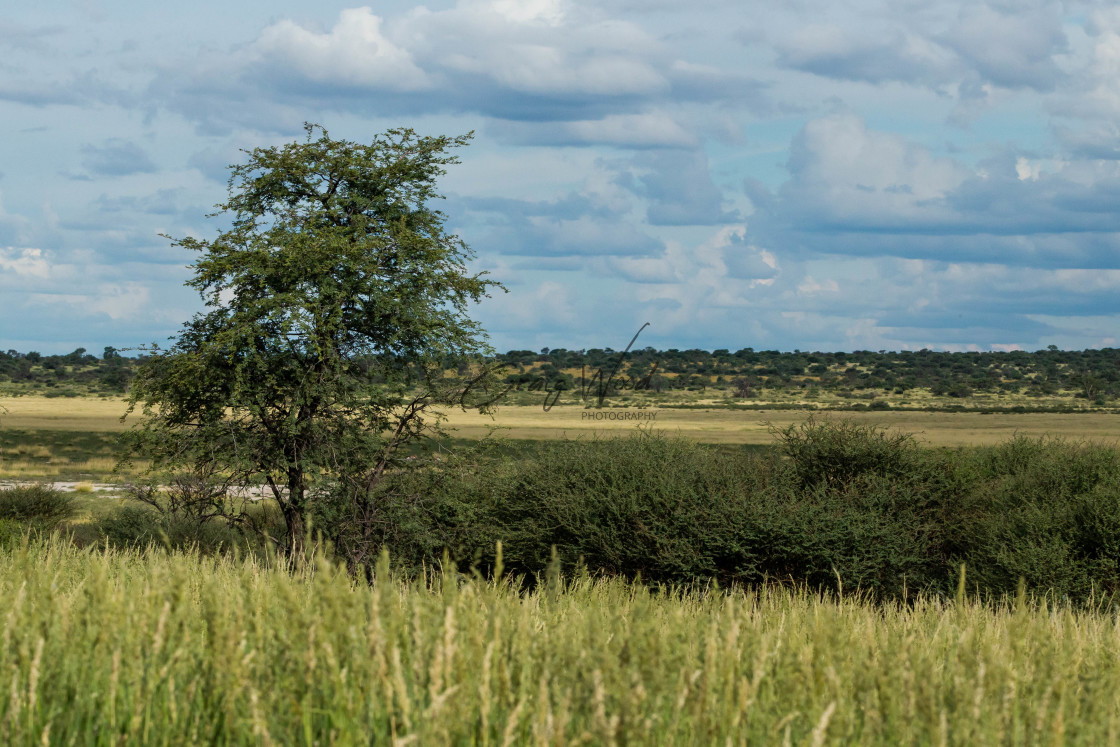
(798,175)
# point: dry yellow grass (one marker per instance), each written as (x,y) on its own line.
(22,469)
(709,425)
(752,426)
(63,413)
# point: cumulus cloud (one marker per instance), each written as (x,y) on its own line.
(846,177)
(967,51)
(353,53)
(747,261)
(1010,46)
(558,237)
(24,263)
(856,191)
(835,51)
(645,130)
(580,77)
(1087,108)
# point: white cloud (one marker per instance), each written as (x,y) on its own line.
(1026,170)
(810,286)
(118,301)
(548,12)
(846,174)
(354,53)
(652,129)
(532,307)
(25,263)
(1012,46)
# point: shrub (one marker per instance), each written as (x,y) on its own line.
(836,452)
(140,526)
(419,511)
(40,505)
(1047,511)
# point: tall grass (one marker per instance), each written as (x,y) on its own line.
(126,647)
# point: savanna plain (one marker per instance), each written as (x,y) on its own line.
(694,576)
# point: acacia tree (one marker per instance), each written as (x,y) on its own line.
(333,305)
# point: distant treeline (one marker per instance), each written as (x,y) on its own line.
(1090,374)
(69,373)
(1093,374)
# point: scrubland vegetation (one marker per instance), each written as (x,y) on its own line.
(845,586)
(834,505)
(648,590)
(1015,381)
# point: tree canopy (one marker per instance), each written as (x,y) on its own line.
(333,303)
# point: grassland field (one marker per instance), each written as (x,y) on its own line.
(75,438)
(127,648)
(181,649)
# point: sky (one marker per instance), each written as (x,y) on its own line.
(797,175)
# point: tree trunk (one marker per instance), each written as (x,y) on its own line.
(294,509)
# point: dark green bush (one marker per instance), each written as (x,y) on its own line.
(664,508)
(674,511)
(836,452)
(140,526)
(418,512)
(1047,511)
(40,505)
(836,504)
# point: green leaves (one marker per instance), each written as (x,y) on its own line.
(328,298)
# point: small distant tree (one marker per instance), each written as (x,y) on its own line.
(1092,386)
(744,387)
(331,305)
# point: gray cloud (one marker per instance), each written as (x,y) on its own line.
(1013,46)
(117,157)
(852,54)
(575,225)
(16,35)
(679,190)
(856,191)
(955,48)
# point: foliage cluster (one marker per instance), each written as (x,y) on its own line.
(41,505)
(32,508)
(330,303)
(835,506)
(70,374)
(1092,376)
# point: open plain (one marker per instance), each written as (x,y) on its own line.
(712,425)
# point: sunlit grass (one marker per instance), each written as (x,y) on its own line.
(101,468)
(122,648)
